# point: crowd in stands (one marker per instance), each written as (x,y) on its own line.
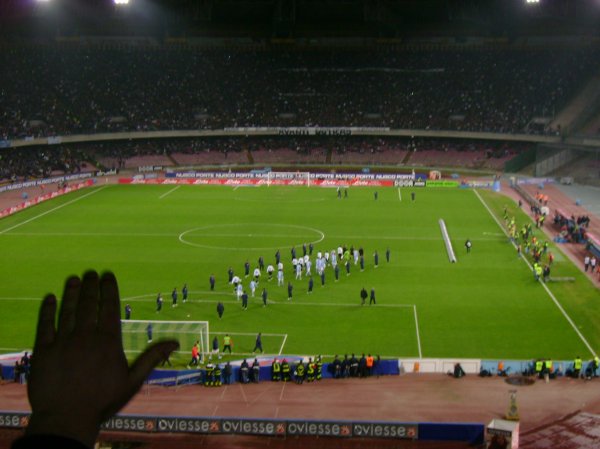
(17,164)
(572,229)
(61,89)
(42,162)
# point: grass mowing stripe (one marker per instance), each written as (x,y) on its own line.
(170,191)
(583,339)
(35,217)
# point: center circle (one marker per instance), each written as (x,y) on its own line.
(246,236)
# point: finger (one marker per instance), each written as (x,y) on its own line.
(143,365)
(86,315)
(109,319)
(45,328)
(66,318)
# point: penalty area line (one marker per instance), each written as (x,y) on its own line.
(565,314)
(417,329)
(169,192)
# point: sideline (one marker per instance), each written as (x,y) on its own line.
(568,318)
(4,231)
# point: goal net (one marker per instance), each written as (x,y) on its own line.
(138,334)
(290,178)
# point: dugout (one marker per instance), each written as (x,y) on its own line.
(593,245)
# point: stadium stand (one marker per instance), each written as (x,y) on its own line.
(38,162)
(166,88)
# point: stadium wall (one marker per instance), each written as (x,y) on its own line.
(280,131)
(472,433)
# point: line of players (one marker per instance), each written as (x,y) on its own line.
(159,300)
(526,242)
(301,266)
(174,297)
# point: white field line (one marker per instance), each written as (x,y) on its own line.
(91,234)
(399,194)
(283,344)
(243,393)
(248,334)
(169,192)
(151,297)
(333,304)
(52,210)
(11,298)
(158,234)
(280,396)
(567,317)
(418,335)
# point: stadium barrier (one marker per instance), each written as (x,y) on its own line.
(470,366)
(593,244)
(172,377)
(472,433)
(42,182)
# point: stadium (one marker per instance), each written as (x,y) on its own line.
(366,223)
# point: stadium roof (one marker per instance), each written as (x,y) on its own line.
(303,18)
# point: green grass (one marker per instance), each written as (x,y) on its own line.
(485,306)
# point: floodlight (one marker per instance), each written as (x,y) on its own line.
(121,2)
(43,1)
(532,1)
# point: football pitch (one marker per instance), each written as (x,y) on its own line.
(155,238)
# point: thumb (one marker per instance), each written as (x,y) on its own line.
(143,365)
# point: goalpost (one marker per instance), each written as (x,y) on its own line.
(295,177)
(138,334)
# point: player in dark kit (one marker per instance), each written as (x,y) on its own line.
(212,281)
(310,284)
(290,290)
(244,300)
(258,343)
(220,309)
(363,296)
(174,297)
(246,269)
(387,255)
(127,312)
(372,297)
(149,332)
(159,302)
(184,293)
(264,297)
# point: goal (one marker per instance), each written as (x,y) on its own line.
(136,334)
(289,177)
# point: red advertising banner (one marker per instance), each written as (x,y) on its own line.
(262,182)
